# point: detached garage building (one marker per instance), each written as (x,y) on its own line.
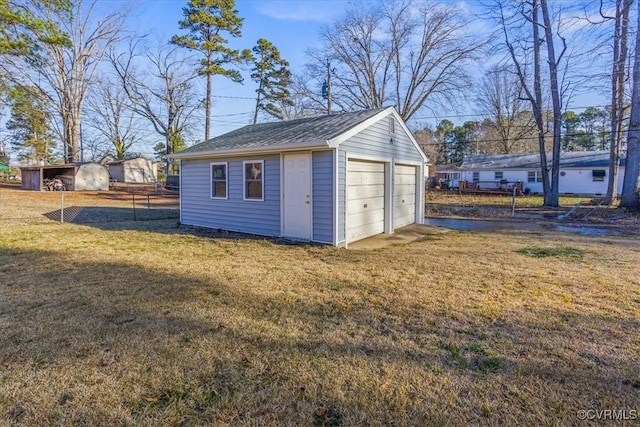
(330,179)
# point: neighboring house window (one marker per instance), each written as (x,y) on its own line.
(253,180)
(534,176)
(599,174)
(392,125)
(476,176)
(219,180)
(499,175)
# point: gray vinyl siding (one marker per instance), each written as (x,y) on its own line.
(233,214)
(323,199)
(374,141)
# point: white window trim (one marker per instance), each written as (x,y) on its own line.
(537,176)
(244,181)
(496,173)
(226,178)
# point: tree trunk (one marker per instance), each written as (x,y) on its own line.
(552,198)
(207,109)
(537,105)
(255,113)
(630,186)
(620,50)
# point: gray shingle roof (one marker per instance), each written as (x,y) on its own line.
(310,131)
(568,159)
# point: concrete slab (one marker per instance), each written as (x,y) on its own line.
(408,234)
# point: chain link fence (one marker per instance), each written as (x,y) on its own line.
(86,207)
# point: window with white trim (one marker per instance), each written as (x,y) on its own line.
(253,180)
(498,175)
(534,176)
(599,174)
(219,183)
(476,177)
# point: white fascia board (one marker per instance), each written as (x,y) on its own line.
(409,134)
(251,151)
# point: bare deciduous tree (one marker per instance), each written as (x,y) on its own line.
(524,47)
(618,77)
(631,185)
(164,94)
(500,99)
(400,53)
(113,119)
(64,72)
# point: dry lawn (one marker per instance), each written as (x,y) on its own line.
(148,324)
(18,207)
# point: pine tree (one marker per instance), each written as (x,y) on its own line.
(23,28)
(30,125)
(207,22)
(271,73)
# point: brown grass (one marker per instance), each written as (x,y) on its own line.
(18,207)
(165,326)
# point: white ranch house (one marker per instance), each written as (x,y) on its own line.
(331,179)
(581,172)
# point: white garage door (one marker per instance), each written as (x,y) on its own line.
(365,199)
(404,195)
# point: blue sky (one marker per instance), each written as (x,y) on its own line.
(294,26)
(291,25)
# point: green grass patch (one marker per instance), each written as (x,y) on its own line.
(563,252)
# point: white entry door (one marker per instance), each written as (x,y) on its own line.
(297,196)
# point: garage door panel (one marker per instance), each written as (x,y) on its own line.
(405,190)
(405,179)
(366,192)
(361,165)
(358,233)
(354,206)
(366,178)
(406,200)
(365,199)
(404,195)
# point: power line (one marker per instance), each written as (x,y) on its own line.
(444,116)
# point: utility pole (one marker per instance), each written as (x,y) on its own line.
(326,87)
(81,145)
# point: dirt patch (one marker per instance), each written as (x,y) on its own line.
(448,204)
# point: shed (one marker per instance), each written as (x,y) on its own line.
(332,179)
(138,170)
(75,176)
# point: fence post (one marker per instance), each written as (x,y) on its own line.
(134,206)
(513,202)
(148,203)
(62,206)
